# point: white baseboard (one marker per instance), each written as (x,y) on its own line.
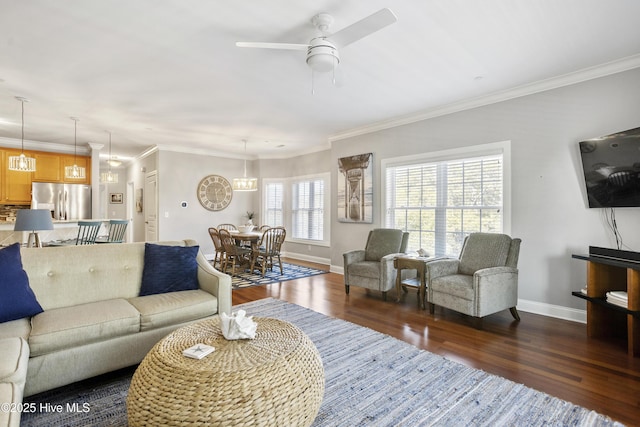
(551,310)
(308,258)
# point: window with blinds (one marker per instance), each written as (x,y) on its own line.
(299,204)
(308,209)
(273,204)
(441,202)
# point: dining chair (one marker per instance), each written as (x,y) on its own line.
(230,227)
(267,248)
(87,232)
(237,255)
(117,228)
(264,227)
(219,256)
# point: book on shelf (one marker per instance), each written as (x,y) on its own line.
(619,298)
(198,351)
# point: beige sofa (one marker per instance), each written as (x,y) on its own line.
(93,320)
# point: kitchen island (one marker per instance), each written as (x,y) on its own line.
(62,230)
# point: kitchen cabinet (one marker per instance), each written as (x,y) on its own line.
(48,167)
(16,186)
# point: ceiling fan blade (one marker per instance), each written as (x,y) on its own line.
(286,46)
(363,28)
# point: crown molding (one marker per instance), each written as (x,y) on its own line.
(52,147)
(583,75)
(242,156)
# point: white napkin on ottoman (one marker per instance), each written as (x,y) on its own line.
(238,326)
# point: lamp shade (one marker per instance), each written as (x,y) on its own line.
(33,220)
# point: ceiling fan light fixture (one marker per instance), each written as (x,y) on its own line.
(322,55)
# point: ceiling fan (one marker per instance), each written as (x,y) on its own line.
(322,50)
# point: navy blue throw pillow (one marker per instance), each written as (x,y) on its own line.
(169,269)
(17,299)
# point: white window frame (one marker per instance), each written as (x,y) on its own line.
(287,198)
(503,148)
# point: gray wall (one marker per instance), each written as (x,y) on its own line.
(549,210)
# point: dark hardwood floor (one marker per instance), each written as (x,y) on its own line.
(551,355)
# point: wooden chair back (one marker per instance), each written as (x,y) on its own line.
(227,227)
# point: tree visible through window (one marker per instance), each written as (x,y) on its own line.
(440,203)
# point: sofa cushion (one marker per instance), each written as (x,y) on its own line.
(174,307)
(14,354)
(17,300)
(61,328)
(16,328)
(169,269)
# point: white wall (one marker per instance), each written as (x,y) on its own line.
(178,178)
(136,172)
(549,210)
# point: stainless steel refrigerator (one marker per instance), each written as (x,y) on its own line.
(65,201)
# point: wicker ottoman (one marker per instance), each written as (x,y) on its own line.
(275,379)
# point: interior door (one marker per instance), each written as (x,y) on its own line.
(151,206)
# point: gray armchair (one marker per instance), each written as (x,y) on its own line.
(483,281)
(372,268)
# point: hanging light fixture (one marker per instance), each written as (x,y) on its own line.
(109,177)
(22,163)
(244,183)
(75,171)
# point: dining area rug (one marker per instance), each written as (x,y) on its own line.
(371,379)
(290,271)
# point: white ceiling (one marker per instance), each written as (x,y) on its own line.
(168,73)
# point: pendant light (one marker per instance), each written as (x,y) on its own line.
(22,163)
(109,177)
(244,183)
(75,171)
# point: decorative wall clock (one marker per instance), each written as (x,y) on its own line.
(214,192)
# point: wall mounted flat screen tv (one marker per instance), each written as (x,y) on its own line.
(611,167)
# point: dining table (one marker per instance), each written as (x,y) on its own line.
(250,237)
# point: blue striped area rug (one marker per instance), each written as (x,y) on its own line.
(371,379)
(289,272)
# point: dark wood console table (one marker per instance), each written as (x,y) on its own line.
(605,320)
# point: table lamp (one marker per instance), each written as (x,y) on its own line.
(32,220)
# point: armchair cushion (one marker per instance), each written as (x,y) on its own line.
(370,269)
(381,242)
(457,285)
(483,250)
